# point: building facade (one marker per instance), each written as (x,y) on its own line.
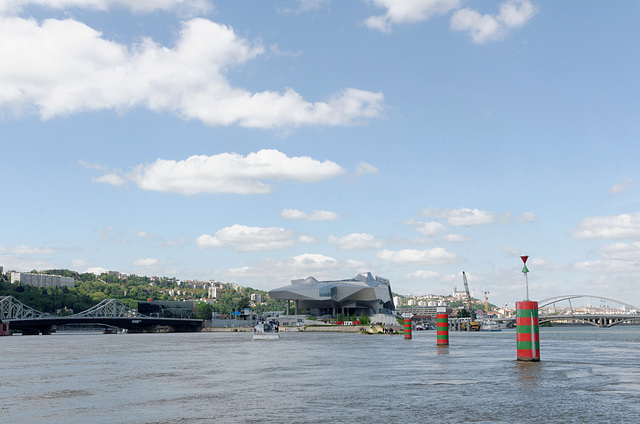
(168,309)
(361,295)
(41,280)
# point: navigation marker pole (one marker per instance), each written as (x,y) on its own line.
(407,327)
(442,326)
(525,271)
(528,336)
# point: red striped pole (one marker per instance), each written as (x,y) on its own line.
(528,336)
(407,328)
(442,326)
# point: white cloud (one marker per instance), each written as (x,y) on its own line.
(408,11)
(316,215)
(110,178)
(484,28)
(437,255)
(364,168)
(320,266)
(460,217)
(424,275)
(97,270)
(146,262)
(89,165)
(528,217)
(26,250)
(621,251)
(609,266)
(227,173)
(355,241)
(432,228)
(248,239)
(455,238)
(139,6)
(622,186)
(304,239)
(624,226)
(305,6)
(79,263)
(62,67)
(614,258)
(109,233)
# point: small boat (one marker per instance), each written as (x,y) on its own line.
(489,325)
(266,331)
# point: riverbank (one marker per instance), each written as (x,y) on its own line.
(369,329)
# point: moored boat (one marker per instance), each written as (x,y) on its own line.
(489,325)
(266,331)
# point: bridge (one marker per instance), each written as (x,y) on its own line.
(110,314)
(605,319)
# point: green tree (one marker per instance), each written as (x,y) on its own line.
(204,310)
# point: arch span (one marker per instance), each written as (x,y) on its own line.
(546,302)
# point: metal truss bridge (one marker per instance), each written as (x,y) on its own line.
(110,314)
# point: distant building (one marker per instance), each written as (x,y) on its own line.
(41,280)
(361,295)
(163,309)
(426,311)
(257,298)
(213,292)
(459,294)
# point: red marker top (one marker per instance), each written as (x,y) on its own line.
(524,259)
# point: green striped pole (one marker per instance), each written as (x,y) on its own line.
(527,330)
(442,326)
(407,328)
(528,335)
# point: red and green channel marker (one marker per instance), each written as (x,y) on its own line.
(442,326)
(407,328)
(528,335)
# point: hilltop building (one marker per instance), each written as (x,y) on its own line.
(361,295)
(41,280)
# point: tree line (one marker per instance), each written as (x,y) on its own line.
(90,289)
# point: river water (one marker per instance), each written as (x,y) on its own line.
(586,375)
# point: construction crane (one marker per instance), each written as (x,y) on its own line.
(486,301)
(473,324)
(466,289)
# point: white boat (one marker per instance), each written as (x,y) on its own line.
(266,331)
(489,325)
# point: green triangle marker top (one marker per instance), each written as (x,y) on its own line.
(525,269)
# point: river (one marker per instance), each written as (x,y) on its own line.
(586,375)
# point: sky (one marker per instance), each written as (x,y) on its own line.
(258,142)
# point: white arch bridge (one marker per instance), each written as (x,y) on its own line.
(110,313)
(630,314)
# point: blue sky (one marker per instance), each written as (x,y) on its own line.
(259,142)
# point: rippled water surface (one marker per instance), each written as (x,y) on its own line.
(586,375)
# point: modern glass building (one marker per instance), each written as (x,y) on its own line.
(361,295)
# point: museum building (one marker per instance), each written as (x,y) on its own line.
(361,295)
